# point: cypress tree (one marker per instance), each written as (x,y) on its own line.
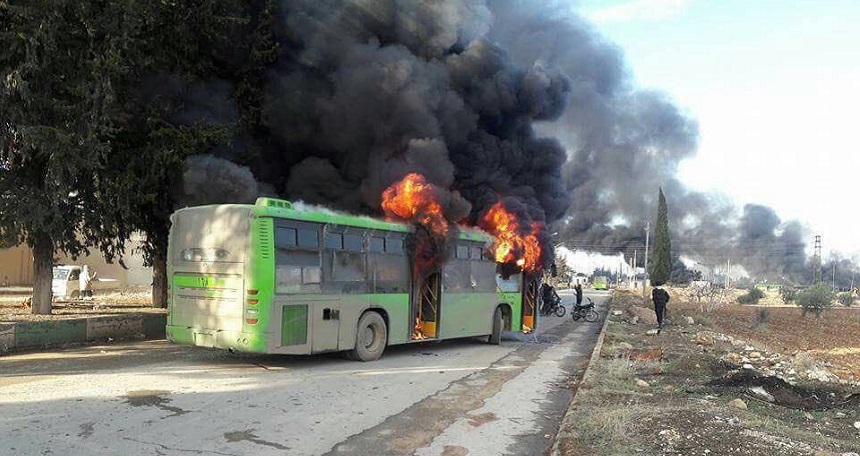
(661,268)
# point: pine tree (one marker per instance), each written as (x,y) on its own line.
(59,60)
(661,268)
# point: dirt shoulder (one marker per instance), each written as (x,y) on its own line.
(16,307)
(698,389)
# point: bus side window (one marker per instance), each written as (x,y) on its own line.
(484,275)
(394,245)
(309,238)
(376,244)
(285,237)
(297,271)
(352,242)
(475,253)
(462,252)
(334,241)
(456,277)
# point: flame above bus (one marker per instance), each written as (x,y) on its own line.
(414,199)
(512,246)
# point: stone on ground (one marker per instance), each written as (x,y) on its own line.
(738,404)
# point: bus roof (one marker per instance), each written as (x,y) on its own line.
(272,207)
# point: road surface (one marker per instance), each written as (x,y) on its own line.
(151,398)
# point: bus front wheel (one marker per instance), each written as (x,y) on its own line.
(370,337)
(496,336)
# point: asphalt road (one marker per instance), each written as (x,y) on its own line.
(151,398)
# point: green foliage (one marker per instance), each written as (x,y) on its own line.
(661,267)
(92,137)
(846,299)
(787,294)
(815,299)
(753,296)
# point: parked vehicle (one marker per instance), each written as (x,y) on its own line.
(67,282)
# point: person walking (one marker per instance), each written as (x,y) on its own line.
(578,290)
(660,297)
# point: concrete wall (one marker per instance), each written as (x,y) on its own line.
(40,334)
(16,265)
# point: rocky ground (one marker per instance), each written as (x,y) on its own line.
(698,388)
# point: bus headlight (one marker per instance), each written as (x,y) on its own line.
(199,254)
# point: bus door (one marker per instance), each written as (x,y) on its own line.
(425,307)
(531,298)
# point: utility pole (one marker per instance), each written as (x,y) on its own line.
(728,267)
(833,286)
(634,268)
(645,280)
(816,262)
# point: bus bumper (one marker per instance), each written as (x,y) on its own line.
(235,340)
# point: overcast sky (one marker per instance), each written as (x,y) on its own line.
(775,86)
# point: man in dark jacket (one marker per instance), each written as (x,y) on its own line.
(660,298)
(578,290)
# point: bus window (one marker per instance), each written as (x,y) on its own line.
(456,277)
(344,272)
(509,285)
(476,253)
(297,271)
(352,242)
(390,273)
(462,252)
(484,276)
(394,245)
(333,241)
(376,245)
(309,238)
(285,237)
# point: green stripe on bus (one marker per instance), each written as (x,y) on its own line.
(202,281)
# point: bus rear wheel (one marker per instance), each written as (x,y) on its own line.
(496,336)
(370,337)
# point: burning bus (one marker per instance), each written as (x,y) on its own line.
(277,278)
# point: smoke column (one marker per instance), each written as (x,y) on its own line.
(519,101)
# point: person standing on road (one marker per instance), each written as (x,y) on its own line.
(578,290)
(660,298)
(84,281)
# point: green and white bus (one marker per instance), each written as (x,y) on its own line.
(274,277)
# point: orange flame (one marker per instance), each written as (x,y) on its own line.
(510,245)
(414,199)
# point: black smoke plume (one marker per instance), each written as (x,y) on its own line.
(509,99)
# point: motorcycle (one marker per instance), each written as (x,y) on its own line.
(554,307)
(585,311)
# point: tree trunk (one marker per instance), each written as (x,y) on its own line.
(43,265)
(159,281)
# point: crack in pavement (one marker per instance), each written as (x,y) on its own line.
(184,450)
(249,436)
